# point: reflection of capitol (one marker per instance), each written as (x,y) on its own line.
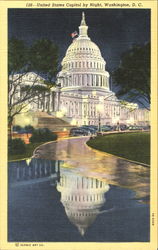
(82,198)
(33,171)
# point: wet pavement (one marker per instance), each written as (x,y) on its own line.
(88,162)
(68,192)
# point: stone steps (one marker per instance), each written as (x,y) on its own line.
(53,123)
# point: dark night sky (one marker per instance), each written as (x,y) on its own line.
(113,30)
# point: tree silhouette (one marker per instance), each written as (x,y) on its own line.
(40,58)
(133,75)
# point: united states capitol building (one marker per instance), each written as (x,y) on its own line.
(82,95)
(85,93)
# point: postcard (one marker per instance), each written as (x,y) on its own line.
(78,124)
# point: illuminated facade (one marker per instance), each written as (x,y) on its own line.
(82,95)
(84,83)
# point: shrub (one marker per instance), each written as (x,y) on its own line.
(29,129)
(17,128)
(16,146)
(42,135)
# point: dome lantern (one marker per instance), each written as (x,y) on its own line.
(83,22)
(83,27)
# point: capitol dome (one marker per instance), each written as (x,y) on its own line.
(83,93)
(83,65)
(84,47)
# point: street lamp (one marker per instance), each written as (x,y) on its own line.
(99,108)
(118,121)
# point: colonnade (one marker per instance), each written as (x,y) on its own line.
(81,182)
(37,168)
(82,79)
(84,64)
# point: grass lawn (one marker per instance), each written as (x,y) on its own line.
(132,146)
(29,151)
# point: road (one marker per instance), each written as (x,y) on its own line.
(88,162)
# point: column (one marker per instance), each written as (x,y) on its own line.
(50,101)
(94,83)
(58,100)
(96,80)
(56,166)
(80,81)
(83,80)
(17,173)
(87,80)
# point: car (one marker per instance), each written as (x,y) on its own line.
(89,129)
(123,127)
(146,127)
(106,128)
(78,132)
(135,128)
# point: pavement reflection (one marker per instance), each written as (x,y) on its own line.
(104,167)
(82,198)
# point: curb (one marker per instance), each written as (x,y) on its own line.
(96,150)
(23,159)
(65,138)
(122,158)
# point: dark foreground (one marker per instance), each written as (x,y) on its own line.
(51,203)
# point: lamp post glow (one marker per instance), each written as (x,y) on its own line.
(100,109)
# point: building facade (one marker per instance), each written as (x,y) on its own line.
(85,94)
(82,95)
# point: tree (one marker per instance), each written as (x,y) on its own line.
(41,58)
(44,58)
(133,75)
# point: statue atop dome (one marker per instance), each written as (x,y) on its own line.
(83,22)
(83,28)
